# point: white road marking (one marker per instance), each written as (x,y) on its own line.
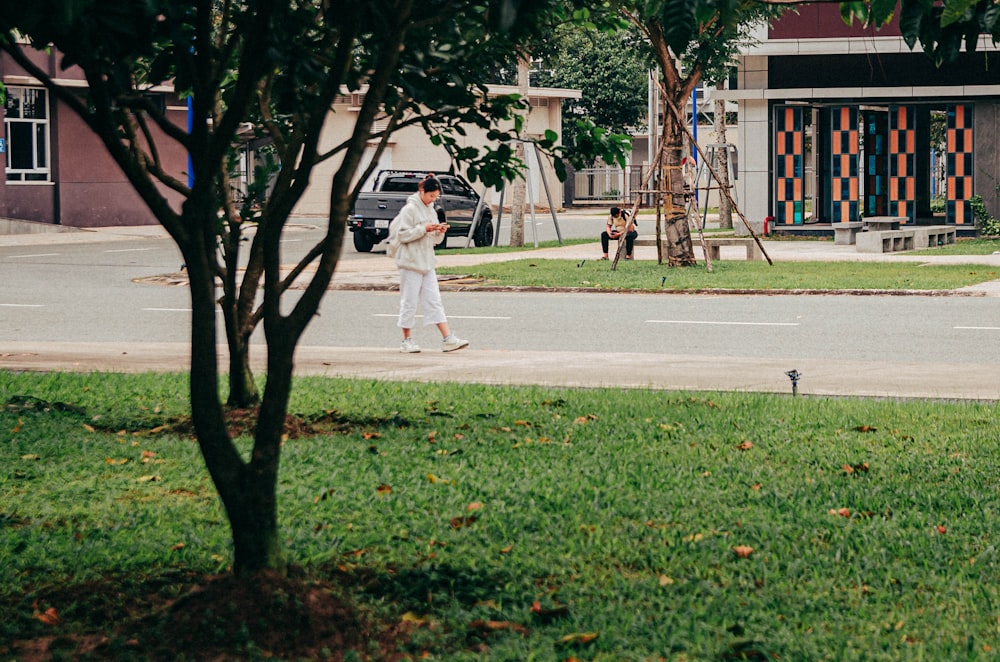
(21,305)
(452,317)
(34,255)
(978,328)
(129,250)
(174,310)
(722,323)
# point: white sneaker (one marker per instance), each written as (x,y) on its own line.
(409,346)
(452,342)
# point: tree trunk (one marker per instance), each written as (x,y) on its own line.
(247,490)
(238,300)
(252,509)
(518,188)
(243,391)
(722,166)
(677,230)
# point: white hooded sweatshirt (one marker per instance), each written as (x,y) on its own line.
(409,241)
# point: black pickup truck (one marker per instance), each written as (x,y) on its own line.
(369,220)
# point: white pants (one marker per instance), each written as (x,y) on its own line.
(417,288)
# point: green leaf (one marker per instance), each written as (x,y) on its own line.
(851,10)
(910,17)
(882,11)
(679,25)
(955,11)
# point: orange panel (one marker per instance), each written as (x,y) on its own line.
(854,188)
(893,142)
(894,189)
(911,142)
(911,185)
(797,189)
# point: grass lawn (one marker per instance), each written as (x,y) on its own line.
(500,523)
(728,275)
(970,246)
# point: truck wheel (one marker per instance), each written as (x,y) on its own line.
(484,232)
(363,242)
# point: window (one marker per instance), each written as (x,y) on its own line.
(27,127)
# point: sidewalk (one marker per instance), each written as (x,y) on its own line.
(937,380)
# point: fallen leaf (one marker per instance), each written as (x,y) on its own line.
(507,550)
(757,486)
(745,446)
(497,626)
(866,428)
(49,617)
(861,467)
(459,522)
(29,456)
(147,479)
(324,495)
(410,617)
(843,512)
(371,435)
(666,581)
(525,424)
(942,530)
(578,638)
(17,428)
(475,505)
(383,489)
(88,428)
(176,548)
(111,460)
(548,613)
(743,551)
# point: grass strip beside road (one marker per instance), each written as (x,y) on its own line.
(589,523)
(727,275)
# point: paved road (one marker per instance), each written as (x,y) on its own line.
(897,346)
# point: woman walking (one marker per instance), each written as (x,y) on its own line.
(412,237)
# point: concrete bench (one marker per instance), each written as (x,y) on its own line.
(884,222)
(931,236)
(885,241)
(715,244)
(844,234)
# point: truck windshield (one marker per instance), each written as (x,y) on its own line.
(400,184)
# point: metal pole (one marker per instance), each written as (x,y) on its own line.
(548,195)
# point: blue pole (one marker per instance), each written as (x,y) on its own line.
(190,112)
(694,133)
(694,123)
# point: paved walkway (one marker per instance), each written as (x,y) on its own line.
(819,377)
